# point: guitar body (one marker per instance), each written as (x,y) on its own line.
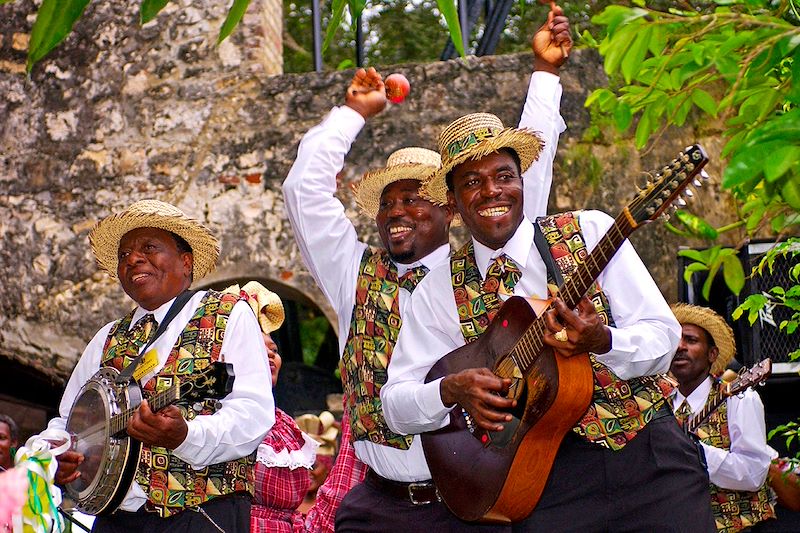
(499,477)
(97,423)
(109,460)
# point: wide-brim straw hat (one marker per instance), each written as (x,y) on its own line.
(267,305)
(106,235)
(475,136)
(411,163)
(716,326)
(321,429)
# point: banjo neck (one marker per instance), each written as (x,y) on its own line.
(119,422)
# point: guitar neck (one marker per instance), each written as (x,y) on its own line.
(576,286)
(694,422)
(160,400)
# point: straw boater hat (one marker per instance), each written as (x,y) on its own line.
(321,429)
(105,236)
(475,136)
(405,164)
(265,304)
(715,325)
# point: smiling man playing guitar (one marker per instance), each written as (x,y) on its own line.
(139,466)
(624,463)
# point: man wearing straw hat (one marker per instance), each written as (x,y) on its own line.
(625,465)
(733,437)
(370,287)
(205,449)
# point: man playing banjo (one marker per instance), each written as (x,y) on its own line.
(196,455)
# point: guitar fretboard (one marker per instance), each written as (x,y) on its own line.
(160,400)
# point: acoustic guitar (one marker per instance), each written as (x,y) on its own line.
(499,476)
(97,423)
(750,377)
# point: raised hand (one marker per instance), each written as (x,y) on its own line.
(578,331)
(552,43)
(366,94)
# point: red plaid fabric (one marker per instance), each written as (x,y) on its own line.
(279,490)
(347,472)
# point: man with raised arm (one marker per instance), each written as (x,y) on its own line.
(369,287)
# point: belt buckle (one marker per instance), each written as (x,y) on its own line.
(414,500)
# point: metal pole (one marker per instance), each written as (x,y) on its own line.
(463,20)
(316,23)
(359,43)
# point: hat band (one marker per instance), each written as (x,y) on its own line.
(474,137)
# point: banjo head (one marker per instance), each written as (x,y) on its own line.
(105,453)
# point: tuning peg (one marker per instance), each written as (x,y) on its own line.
(688,193)
(681,202)
(666,215)
(704,175)
(697,183)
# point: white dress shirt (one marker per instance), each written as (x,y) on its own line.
(746,464)
(332,251)
(247,413)
(643,341)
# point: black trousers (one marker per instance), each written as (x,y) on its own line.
(656,483)
(365,508)
(230,513)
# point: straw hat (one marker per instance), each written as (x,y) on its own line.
(405,164)
(321,429)
(715,325)
(265,304)
(475,136)
(105,236)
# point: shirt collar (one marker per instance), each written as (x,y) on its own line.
(697,398)
(159,313)
(517,248)
(430,261)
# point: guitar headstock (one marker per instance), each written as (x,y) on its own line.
(750,377)
(667,184)
(213,382)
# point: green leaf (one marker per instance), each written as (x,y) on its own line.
(54,21)
(450,12)
(694,254)
(790,192)
(632,60)
(235,14)
(356,7)
(696,225)
(733,273)
(623,116)
(781,161)
(644,129)
(691,269)
(704,101)
(149,9)
(614,50)
(337,10)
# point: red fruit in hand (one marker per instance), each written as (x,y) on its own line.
(397,87)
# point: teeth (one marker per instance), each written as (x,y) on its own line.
(493,212)
(137,277)
(398,229)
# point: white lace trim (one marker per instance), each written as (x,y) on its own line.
(302,458)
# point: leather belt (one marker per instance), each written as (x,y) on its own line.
(416,492)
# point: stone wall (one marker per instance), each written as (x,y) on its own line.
(120,113)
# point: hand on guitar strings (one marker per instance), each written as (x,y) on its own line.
(482,394)
(576,332)
(366,94)
(166,428)
(68,463)
(552,42)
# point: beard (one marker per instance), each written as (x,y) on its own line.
(402,257)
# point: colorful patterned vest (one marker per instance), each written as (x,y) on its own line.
(734,510)
(170,484)
(374,327)
(619,409)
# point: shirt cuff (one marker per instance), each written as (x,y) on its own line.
(430,401)
(543,83)
(187,451)
(347,121)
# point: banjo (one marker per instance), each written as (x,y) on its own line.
(97,423)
